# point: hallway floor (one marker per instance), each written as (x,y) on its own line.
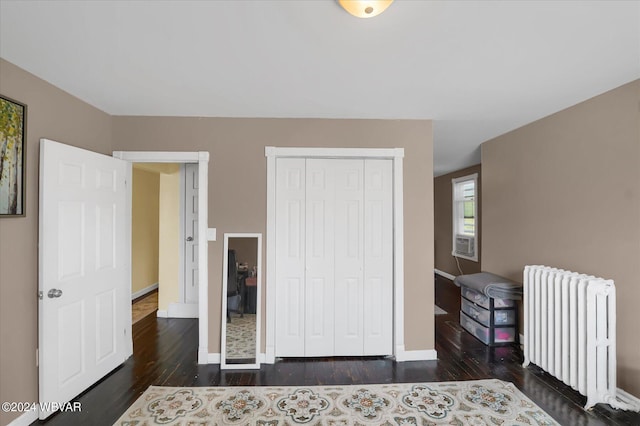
(143,306)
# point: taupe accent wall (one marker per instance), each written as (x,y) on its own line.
(443,223)
(246,250)
(237,200)
(564,191)
(56,115)
(238,189)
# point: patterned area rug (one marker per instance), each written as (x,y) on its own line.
(241,337)
(476,402)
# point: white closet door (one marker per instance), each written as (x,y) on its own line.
(349,257)
(319,298)
(290,258)
(334,261)
(378,257)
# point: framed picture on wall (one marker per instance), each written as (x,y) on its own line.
(13,117)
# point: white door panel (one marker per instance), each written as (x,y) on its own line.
(106,323)
(71,337)
(349,256)
(83,263)
(292,310)
(105,236)
(319,277)
(378,257)
(191,289)
(290,261)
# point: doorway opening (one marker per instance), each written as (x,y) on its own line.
(198,228)
(164,240)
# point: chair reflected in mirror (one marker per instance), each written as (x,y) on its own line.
(241,285)
(235,284)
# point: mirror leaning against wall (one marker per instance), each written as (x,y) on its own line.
(241,288)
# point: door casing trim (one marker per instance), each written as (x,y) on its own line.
(202,159)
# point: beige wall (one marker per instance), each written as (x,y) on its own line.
(564,191)
(237,187)
(53,114)
(443,223)
(144,229)
(169,251)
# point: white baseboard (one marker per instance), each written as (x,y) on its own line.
(25,420)
(444,274)
(179,310)
(270,355)
(144,291)
(626,397)
(183,310)
(203,356)
(425,355)
(214,358)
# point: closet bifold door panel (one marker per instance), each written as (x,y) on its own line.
(290,258)
(349,254)
(320,258)
(334,257)
(378,257)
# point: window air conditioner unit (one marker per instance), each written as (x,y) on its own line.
(465,246)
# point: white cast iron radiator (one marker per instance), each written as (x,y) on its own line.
(570,331)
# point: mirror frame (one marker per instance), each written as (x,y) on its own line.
(223,318)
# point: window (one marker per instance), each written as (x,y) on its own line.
(465,217)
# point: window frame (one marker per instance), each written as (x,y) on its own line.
(457,212)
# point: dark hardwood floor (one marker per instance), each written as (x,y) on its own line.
(165,355)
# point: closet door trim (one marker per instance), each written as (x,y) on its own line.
(395,154)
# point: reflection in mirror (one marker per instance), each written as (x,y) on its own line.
(241,295)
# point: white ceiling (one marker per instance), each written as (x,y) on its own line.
(477,68)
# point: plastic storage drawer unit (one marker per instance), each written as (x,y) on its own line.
(484,334)
(483,316)
(485,301)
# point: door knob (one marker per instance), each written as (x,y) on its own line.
(189,238)
(54,292)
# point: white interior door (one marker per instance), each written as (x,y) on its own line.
(290,261)
(191,289)
(349,256)
(319,277)
(84,270)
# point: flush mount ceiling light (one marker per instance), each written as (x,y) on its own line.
(365,8)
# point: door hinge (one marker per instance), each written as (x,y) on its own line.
(40,295)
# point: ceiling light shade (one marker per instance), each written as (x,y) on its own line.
(365,8)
